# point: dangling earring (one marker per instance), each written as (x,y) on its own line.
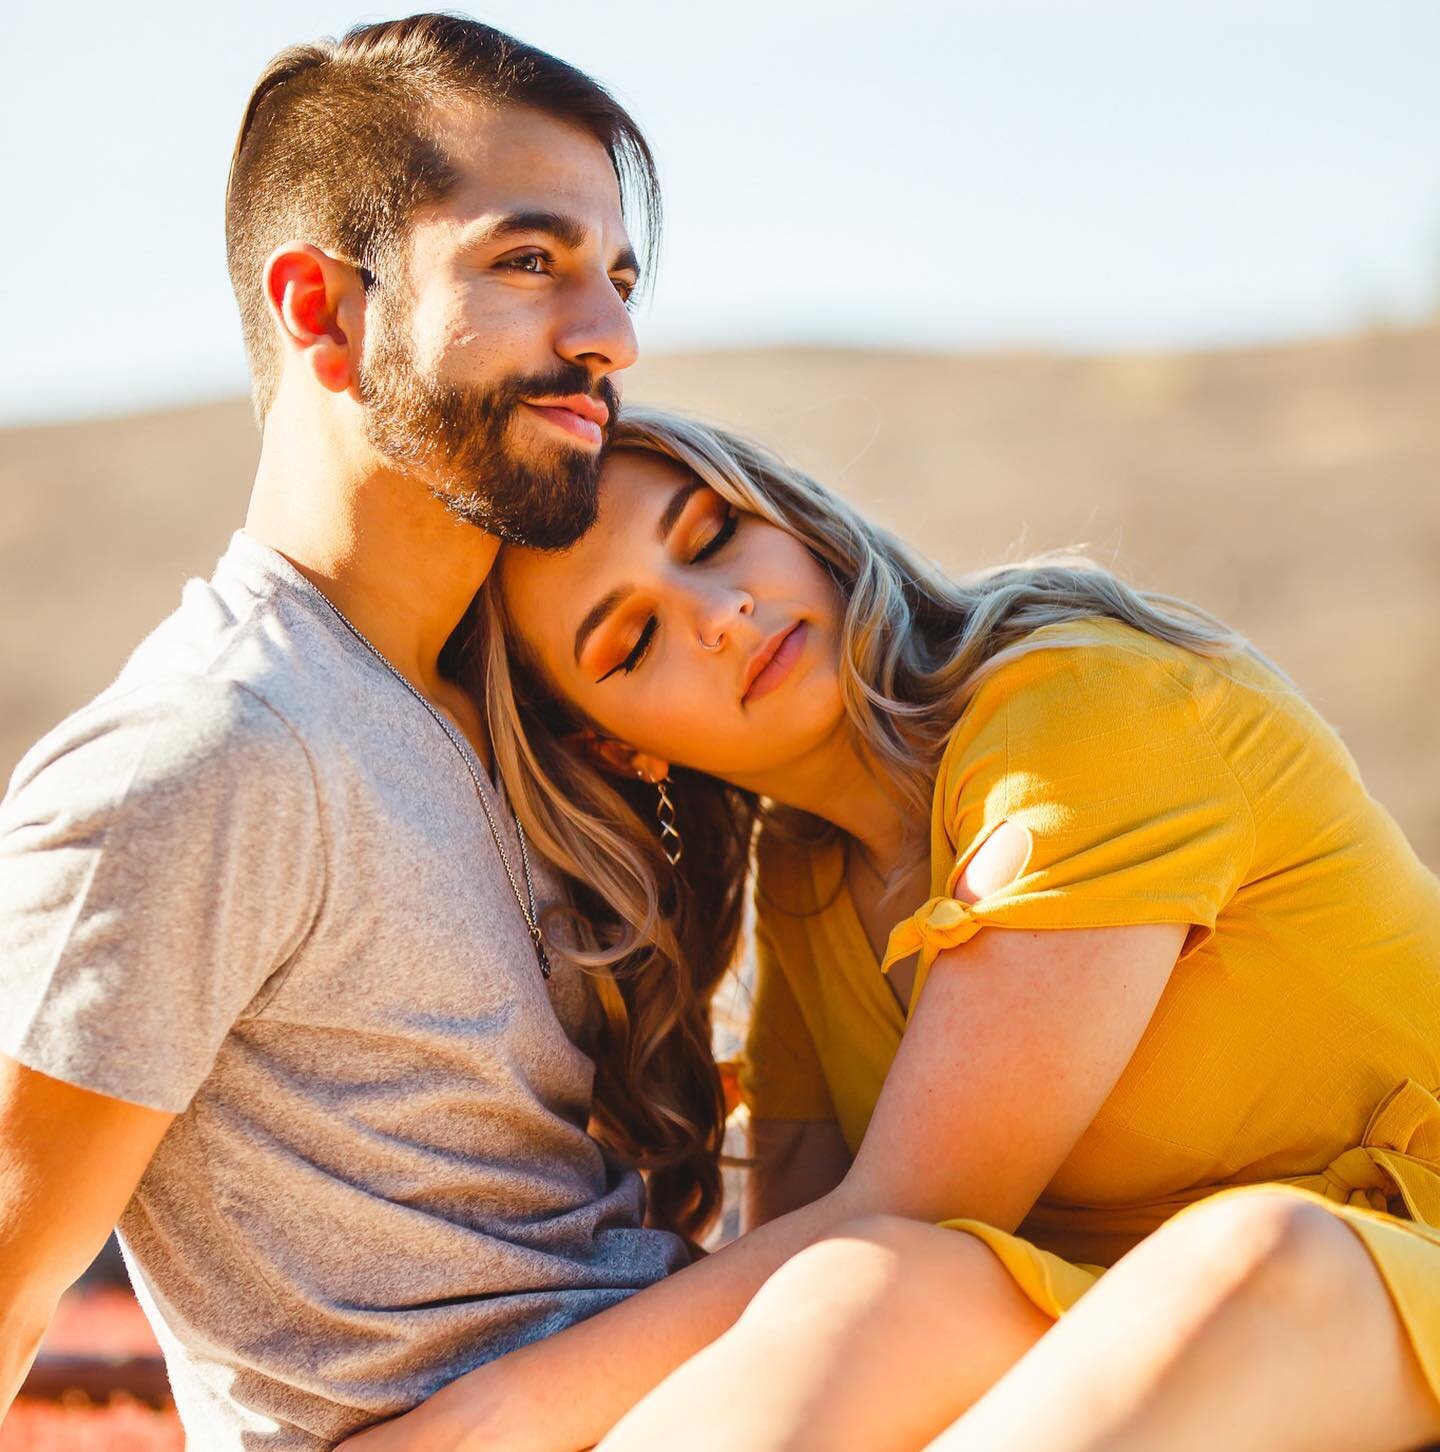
(670,843)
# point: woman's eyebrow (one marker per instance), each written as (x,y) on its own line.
(597,613)
(675,508)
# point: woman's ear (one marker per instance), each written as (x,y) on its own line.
(617,757)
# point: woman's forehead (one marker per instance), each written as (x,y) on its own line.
(630,473)
(634,489)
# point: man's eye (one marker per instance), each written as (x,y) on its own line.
(637,654)
(536,263)
(625,288)
(720,538)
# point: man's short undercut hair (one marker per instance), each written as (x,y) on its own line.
(339,147)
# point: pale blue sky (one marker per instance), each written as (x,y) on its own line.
(1077,174)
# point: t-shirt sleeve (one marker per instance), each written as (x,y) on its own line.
(1101,755)
(161,861)
(780,1073)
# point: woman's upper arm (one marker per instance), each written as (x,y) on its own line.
(793,1162)
(1016,1041)
(1083,790)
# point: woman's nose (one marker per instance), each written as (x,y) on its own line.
(719,613)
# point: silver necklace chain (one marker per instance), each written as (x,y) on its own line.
(526,902)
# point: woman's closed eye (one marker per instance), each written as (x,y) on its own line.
(637,654)
(723,533)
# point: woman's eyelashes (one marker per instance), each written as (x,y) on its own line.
(638,653)
(718,540)
(712,546)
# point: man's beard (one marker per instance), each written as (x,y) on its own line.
(458,440)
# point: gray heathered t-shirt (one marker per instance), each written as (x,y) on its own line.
(251,884)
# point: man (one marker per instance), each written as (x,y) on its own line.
(273,980)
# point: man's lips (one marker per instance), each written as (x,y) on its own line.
(779,645)
(577,413)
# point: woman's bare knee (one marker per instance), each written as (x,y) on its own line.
(1273,1247)
(878,1269)
(848,1273)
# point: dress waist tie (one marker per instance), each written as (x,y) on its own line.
(1397,1160)
(1398,1157)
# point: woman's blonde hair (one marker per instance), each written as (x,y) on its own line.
(915,645)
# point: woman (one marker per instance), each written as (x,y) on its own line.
(1169,1010)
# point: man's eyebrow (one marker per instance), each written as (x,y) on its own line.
(626,261)
(673,510)
(597,614)
(568,231)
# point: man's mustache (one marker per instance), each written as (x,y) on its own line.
(568,378)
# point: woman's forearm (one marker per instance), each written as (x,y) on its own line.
(567,1391)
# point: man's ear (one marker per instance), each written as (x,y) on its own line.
(617,757)
(317,304)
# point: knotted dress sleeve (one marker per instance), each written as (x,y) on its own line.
(1100,754)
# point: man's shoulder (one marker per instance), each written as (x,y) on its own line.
(175,738)
(243,642)
(233,681)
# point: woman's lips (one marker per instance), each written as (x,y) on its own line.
(779,665)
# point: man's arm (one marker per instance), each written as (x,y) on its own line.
(69,1162)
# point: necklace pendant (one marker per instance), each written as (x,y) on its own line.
(541,955)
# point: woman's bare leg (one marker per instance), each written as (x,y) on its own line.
(876,1338)
(1257,1324)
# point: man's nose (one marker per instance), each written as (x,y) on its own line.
(597,330)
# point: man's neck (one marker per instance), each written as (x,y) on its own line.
(383,550)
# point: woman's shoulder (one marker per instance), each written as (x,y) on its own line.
(1094,650)
(1085,700)
(1102,668)
(1076,671)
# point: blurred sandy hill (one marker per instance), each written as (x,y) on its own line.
(1293,490)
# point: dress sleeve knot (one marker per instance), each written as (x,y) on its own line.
(941,923)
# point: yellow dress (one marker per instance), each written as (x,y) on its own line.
(1298,1039)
